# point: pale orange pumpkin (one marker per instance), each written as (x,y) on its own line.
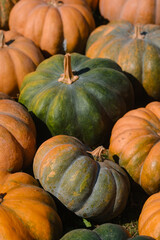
(134,11)
(27,212)
(56,26)
(18,56)
(17,136)
(149,219)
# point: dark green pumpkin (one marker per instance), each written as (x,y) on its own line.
(107,231)
(91,189)
(83,102)
(5,8)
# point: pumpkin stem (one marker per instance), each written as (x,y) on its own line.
(2,39)
(98,153)
(138,31)
(55,3)
(67,77)
(2,195)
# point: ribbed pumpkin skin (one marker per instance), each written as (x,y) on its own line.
(107,231)
(5,8)
(93,4)
(86,108)
(134,11)
(91,189)
(135,48)
(17,136)
(135,139)
(26,210)
(18,56)
(149,219)
(61,26)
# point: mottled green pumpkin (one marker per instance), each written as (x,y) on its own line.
(78,96)
(5,8)
(107,231)
(136,48)
(91,189)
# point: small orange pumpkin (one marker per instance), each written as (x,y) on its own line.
(17,135)
(149,219)
(56,26)
(27,212)
(18,56)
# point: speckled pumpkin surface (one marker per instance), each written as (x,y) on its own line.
(91,189)
(78,96)
(136,48)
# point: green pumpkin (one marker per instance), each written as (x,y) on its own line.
(107,231)
(5,8)
(91,189)
(136,48)
(78,96)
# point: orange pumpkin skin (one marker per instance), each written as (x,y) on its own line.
(149,219)
(93,3)
(134,47)
(135,139)
(18,56)
(61,26)
(134,11)
(26,210)
(17,136)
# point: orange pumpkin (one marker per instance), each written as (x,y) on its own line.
(135,140)
(93,4)
(18,56)
(27,212)
(55,26)
(149,219)
(17,136)
(134,11)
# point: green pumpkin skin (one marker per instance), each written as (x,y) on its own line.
(107,231)
(87,108)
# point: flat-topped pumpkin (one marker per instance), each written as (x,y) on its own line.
(78,96)
(56,26)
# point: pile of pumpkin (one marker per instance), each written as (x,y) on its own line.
(79,116)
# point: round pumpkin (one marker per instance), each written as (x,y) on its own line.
(17,135)
(5,8)
(61,26)
(134,11)
(107,231)
(26,210)
(91,189)
(135,48)
(18,56)
(135,140)
(149,219)
(83,102)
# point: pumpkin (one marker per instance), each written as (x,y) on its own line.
(107,231)
(134,11)
(26,210)
(135,48)
(61,26)
(17,135)
(5,8)
(83,102)
(135,140)
(149,219)
(91,189)
(18,56)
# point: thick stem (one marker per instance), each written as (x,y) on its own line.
(55,3)
(2,39)
(67,77)
(2,195)
(138,31)
(97,153)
